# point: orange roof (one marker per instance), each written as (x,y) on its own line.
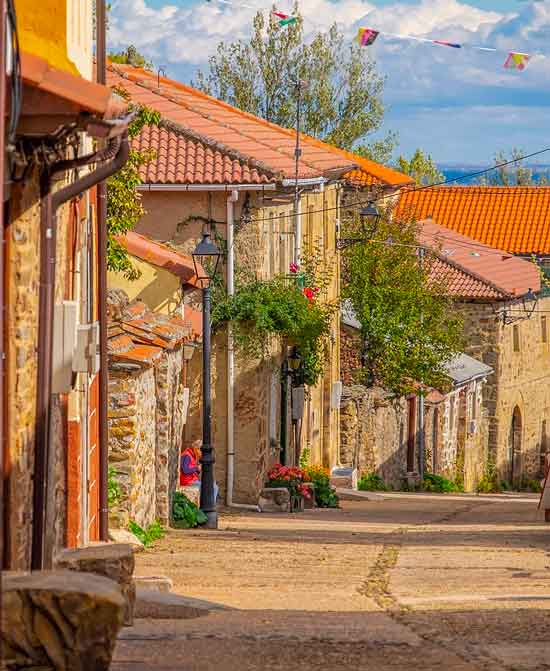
(368,173)
(472,270)
(514,218)
(161,256)
(261,143)
(181,157)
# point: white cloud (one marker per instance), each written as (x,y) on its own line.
(437,78)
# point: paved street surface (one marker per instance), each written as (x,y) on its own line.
(402,582)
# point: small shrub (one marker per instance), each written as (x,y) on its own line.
(304,457)
(372,482)
(185,514)
(290,477)
(530,485)
(147,536)
(489,483)
(325,494)
(439,484)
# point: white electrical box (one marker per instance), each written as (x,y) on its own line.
(86,354)
(64,341)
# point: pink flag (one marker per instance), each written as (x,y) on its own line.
(517,61)
(367,36)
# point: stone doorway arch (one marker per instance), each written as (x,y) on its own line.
(514,447)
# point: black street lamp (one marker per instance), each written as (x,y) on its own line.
(369,217)
(206,259)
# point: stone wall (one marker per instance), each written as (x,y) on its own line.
(374,433)
(132,441)
(169,428)
(22,271)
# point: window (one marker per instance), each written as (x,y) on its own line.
(543,447)
(310,216)
(543,330)
(516,338)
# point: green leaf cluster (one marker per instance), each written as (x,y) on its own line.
(124,206)
(341,91)
(372,482)
(515,174)
(439,484)
(114,491)
(154,532)
(325,493)
(261,310)
(409,329)
(185,514)
(421,168)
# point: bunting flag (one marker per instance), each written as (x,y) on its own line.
(517,61)
(366,36)
(284,19)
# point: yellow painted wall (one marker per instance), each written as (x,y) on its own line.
(156,287)
(42,27)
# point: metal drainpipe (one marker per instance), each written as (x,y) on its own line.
(231,200)
(50,202)
(3,395)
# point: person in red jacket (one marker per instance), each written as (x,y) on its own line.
(189,467)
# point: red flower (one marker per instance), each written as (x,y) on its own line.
(294,267)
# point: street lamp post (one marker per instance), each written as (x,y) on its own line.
(206,258)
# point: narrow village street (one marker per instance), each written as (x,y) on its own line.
(403,581)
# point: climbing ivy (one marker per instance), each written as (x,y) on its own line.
(124,206)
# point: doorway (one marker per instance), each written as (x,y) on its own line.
(514,448)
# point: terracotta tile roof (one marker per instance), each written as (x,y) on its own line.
(516,219)
(161,256)
(182,158)
(368,173)
(123,349)
(261,144)
(472,270)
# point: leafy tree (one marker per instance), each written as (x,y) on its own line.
(131,56)
(516,174)
(124,207)
(421,168)
(407,324)
(340,87)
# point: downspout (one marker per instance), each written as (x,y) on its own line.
(231,200)
(117,152)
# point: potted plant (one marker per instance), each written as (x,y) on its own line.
(294,479)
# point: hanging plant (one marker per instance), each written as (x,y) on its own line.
(261,310)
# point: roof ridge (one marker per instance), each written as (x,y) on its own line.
(233,154)
(221,103)
(458,266)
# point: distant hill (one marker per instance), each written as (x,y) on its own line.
(454,171)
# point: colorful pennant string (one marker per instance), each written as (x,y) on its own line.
(515,60)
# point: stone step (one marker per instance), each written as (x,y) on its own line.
(154,605)
(155,583)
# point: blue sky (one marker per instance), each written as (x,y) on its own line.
(459,105)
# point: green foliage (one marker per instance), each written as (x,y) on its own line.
(408,325)
(421,168)
(114,492)
(489,483)
(304,458)
(516,174)
(325,494)
(372,482)
(341,89)
(530,485)
(437,483)
(185,514)
(131,56)
(147,536)
(261,310)
(124,207)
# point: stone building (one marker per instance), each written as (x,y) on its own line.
(231,171)
(500,300)
(53,483)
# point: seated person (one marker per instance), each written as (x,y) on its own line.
(190,468)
